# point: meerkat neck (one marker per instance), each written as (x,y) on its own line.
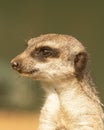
(84,87)
(60,87)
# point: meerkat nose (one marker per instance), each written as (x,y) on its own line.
(15,65)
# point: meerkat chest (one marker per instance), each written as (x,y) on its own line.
(63,121)
(53,113)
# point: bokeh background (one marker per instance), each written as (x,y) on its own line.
(21,98)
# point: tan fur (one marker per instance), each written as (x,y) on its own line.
(71,99)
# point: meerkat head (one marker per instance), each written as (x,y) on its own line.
(51,57)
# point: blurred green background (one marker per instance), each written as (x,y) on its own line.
(22,20)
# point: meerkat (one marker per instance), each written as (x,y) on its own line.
(60,62)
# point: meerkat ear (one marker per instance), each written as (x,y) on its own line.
(80,62)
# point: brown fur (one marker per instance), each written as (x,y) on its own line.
(60,62)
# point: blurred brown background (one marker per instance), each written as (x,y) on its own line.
(21,98)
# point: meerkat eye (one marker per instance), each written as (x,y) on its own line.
(45,51)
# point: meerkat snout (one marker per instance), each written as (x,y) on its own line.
(16,65)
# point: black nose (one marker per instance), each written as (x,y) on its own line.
(15,65)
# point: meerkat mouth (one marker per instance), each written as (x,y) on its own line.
(28,72)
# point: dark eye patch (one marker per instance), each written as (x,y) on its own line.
(44,52)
